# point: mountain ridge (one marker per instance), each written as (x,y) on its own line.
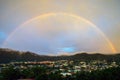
(9,55)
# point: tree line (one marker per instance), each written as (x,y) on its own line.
(43,73)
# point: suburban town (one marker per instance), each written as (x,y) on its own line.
(64,66)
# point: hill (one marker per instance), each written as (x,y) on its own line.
(8,55)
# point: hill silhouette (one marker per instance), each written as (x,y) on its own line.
(8,55)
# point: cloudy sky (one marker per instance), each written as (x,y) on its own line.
(60,26)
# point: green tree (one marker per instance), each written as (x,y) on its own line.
(10,73)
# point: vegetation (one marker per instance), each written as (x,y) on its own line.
(44,73)
(41,73)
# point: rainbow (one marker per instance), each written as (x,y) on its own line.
(44,16)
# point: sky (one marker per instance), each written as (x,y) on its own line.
(63,26)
